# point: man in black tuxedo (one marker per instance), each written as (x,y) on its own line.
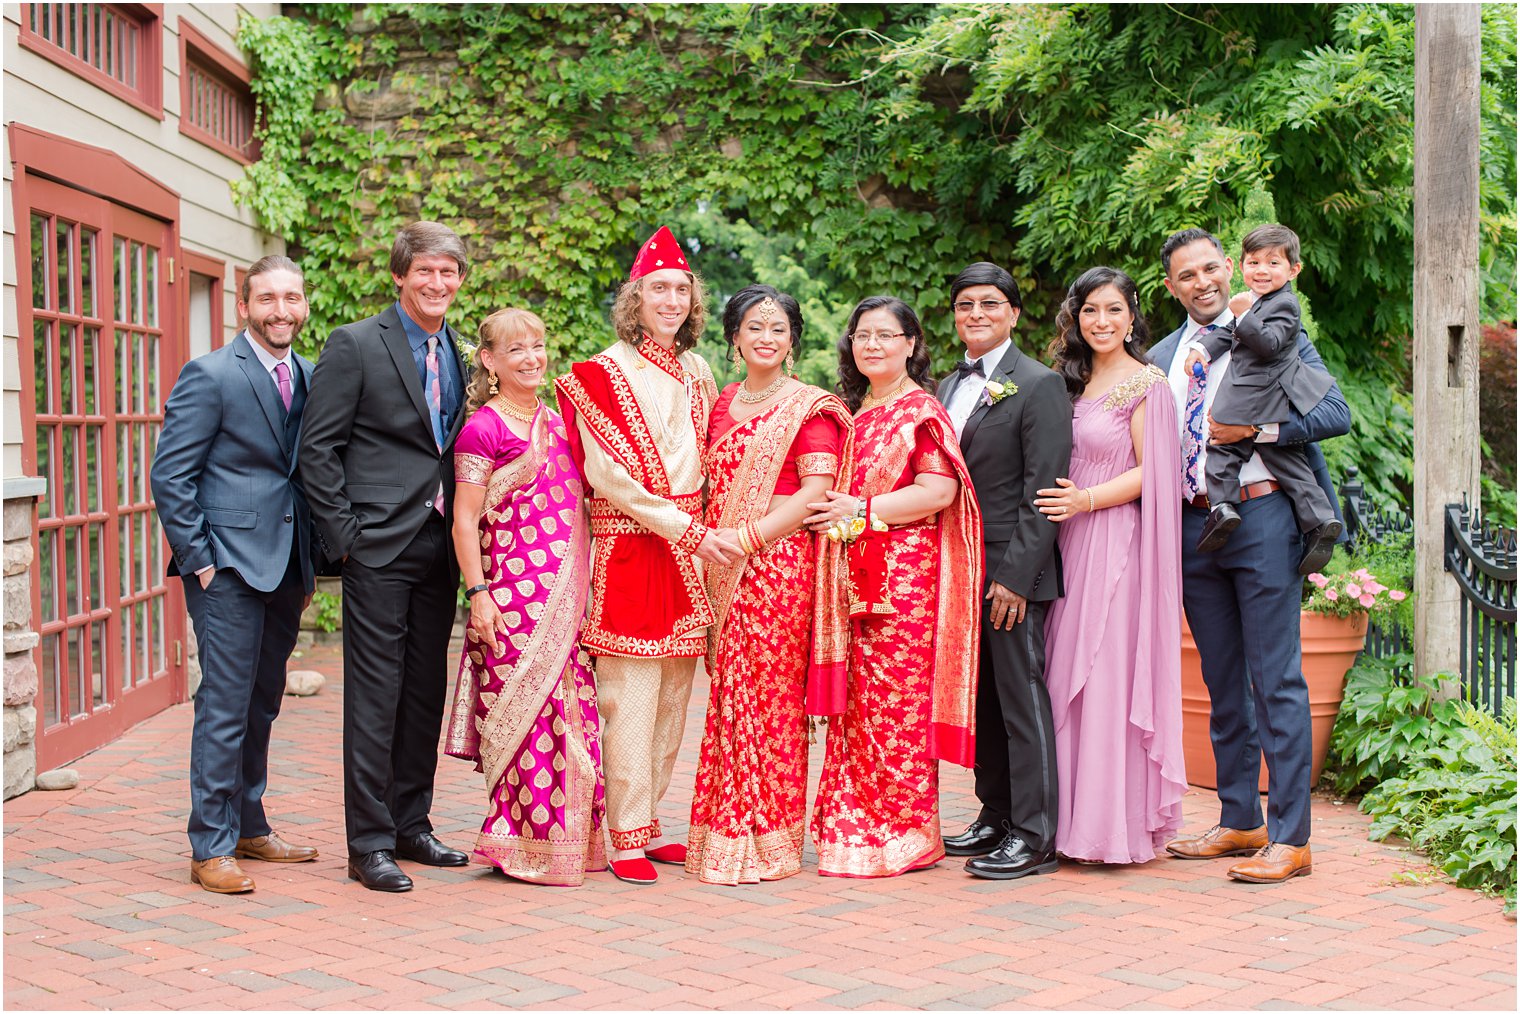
(237,523)
(1242,601)
(1013,417)
(377,463)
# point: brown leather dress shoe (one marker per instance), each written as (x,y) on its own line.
(220,875)
(1274,863)
(1220,841)
(273,849)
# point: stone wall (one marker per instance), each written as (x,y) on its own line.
(20,683)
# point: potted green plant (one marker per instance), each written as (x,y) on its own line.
(1354,588)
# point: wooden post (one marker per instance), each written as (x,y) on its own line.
(1446,443)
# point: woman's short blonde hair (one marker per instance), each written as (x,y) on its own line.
(506,325)
(630,298)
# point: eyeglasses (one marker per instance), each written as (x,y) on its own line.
(987,305)
(879,337)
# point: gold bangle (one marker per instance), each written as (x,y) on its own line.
(1092,503)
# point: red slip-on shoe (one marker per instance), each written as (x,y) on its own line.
(634,871)
(671,853)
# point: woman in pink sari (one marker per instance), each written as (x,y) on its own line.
(1113,642)
(776,651)
(914,578)
(525,705)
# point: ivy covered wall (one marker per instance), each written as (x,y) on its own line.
(842,150)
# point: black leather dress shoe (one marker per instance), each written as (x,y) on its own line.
(1318,545)
(424,848)
(1012,859)
(378,872)
(1222,520)
(976,840)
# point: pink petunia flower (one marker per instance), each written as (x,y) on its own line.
(1373,587)
(1367,601)
(1353,589)
(1362,574)
(1330,594)
(1318,580)
(1397,595)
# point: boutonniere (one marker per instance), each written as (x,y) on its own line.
(996,392)
(466,351)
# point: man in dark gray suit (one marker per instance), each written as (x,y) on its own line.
(377,463)
(1013,417)
(1242,601)
(239,529)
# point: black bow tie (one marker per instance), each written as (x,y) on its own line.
(965,367)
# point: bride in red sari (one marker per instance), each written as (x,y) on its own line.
(776,651)
(915,572)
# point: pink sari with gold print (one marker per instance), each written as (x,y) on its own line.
(912,687)
(526,713)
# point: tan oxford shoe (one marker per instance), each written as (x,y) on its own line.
(1220,841)
(271,848)
(1274,864)
(220,875)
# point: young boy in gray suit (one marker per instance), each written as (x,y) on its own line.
(1266,378)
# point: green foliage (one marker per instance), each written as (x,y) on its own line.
(1386,723)
(845,150)
(1439,773)
(1457,802)
(327,611)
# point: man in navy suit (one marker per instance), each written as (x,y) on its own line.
(1242,601)
(239,529)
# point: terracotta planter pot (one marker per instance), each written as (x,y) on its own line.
(1330,646)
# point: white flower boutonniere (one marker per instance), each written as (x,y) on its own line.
(466,351)
(996,392)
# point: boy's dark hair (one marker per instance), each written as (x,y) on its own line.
(1272,237)
(1177,240)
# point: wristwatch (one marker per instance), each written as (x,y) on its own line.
(470,591)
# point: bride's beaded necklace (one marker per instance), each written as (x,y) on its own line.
(754,398)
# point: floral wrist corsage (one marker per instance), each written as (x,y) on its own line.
(996,392)
(849,529)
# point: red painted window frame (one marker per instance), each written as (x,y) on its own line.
(207,267)
(150,71)
(194,46)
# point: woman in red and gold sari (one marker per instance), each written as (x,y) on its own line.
(915,571)
(776,651)
(525,706)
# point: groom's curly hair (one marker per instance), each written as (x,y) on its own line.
(625,313)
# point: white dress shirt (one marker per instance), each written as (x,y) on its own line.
(269,360)
(1252,471)
(968,389)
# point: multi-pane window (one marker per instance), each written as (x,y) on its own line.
(115,45)
(216,103)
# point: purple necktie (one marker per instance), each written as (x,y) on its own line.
(433,390)
(1192,413)
(282,380)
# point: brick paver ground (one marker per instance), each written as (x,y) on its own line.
(100,913)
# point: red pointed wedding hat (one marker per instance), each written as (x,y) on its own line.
(660,251)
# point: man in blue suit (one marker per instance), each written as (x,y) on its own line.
(240,532)
(1242,601)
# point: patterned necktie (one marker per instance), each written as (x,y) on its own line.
(432,389)
(282,380)
(1192,444)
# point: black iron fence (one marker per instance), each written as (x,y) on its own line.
(1481,559)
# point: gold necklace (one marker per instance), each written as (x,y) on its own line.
(748,398)
(525,415)
(872,401)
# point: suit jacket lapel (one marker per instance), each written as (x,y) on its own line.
(393,335)
(297,407)
(947,387)
(263,387)
(1004,370)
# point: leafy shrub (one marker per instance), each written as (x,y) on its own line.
(1386,723)
(327,611)
(1457,804)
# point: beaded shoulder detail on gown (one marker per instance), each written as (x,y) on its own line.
(1126,391)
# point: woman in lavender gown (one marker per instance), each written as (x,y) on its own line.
(1113,643)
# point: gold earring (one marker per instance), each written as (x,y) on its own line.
(733,354)
(1130,335)
(493,385)
(791,364)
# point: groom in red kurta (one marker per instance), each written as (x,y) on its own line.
(637,414)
